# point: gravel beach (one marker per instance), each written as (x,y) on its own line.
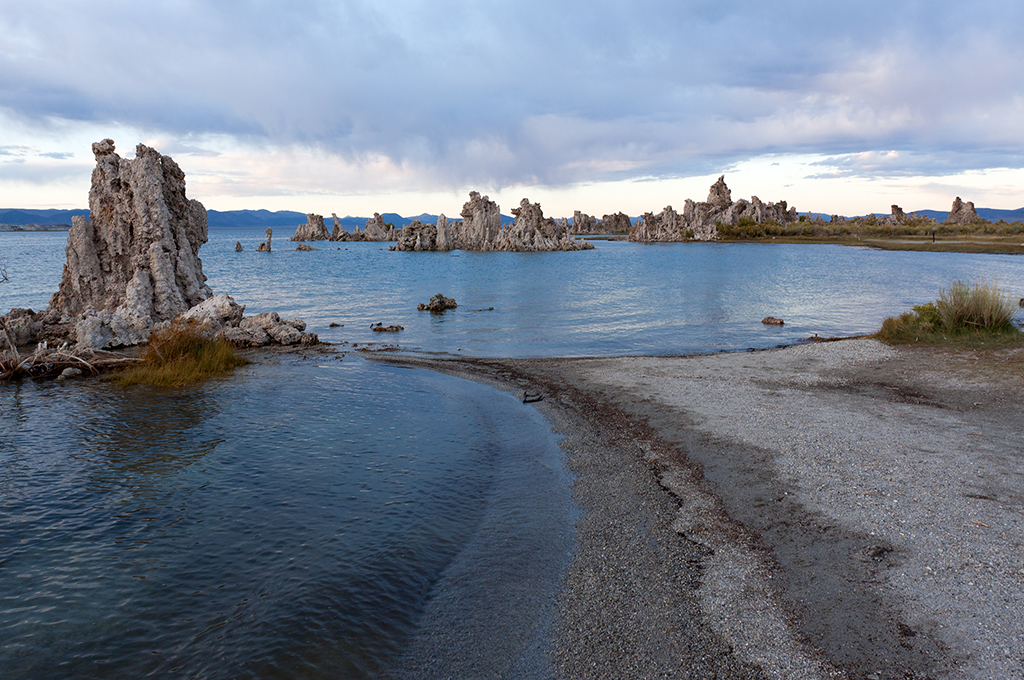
(830,510)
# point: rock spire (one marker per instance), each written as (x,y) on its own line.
(136,261)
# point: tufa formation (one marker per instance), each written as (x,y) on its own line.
(134,264)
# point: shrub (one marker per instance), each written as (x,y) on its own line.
(963,314)
(179,354)
(979,306)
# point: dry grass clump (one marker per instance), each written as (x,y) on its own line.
(178,355)
(966,315)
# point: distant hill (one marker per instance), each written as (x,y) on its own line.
(236,219)
(34,227)
(16,216)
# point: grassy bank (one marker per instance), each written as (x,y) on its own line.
(178,355)
(914,234)
(964,316)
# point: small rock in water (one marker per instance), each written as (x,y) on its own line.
(69,373)
(335,325)
(438,303)
(238,246)
(772,321)
(381,328)
(265,246)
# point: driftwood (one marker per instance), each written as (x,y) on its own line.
(45,362)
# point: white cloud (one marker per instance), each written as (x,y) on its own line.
(417,96)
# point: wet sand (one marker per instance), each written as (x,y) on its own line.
(832,510)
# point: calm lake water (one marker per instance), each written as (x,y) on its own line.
(331,517)
(620,298)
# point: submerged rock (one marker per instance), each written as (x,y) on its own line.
(305,246)
(381,328)
(772,321)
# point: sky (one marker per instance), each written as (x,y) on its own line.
(354,107)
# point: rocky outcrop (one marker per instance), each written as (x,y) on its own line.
(221,317)
(444,233)
(136,262)
(377,230)
(619,223)
(533,232)
(699,221)
(583,223)
(339,233)
(481,222)
(312,230)
(438,303)
(23,326)
(962,213)
(480,229)
(134,266)
(417,236)
(265,246)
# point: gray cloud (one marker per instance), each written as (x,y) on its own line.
(506,92)
(14,150)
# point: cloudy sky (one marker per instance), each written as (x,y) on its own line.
(354,107)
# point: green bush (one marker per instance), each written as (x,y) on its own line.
(978,306)
(964,314)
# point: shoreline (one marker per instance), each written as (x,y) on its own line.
(742,511)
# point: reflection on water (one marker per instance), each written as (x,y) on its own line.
(290,521)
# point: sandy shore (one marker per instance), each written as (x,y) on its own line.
(833,510)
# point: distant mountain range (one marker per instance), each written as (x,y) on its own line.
(228,219)
(249,219)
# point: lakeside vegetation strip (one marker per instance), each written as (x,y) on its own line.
(964,315)
(180,354)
